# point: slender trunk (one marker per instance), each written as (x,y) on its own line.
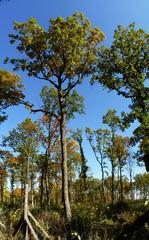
(48,158)
(102,172)
(48,189)
(130,177)
(113,167)
(83,167)
(118,191)
(121,184)
(32,191)
(56,194)
(2,189)
(102,176)
(47,182)
(26,198)
(22,184)
(42,182)
(12,185)
(102,181)
(70,189)
(112,187)
(65,192)
(26,210)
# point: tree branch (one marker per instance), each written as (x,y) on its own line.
(38,225)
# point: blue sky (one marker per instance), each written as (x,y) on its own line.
(106,14)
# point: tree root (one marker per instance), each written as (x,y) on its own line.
(24,220)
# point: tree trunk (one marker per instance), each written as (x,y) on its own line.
(2,189)
(65,192)
(26,198)
(113,167)
(12,185)
(130,181)
(112,187)
(22,184)
(102,181)
(121,184)
(42,182)
(26,210)
(32,191)
(83,167)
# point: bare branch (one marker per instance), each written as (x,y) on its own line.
(38,225)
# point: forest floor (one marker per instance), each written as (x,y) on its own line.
(127,221)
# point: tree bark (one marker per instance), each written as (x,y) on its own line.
(121,184)
(65,192)
(112,187)
(113,168)
(102,180)
(42,182)
(26,198)
(26,210)
(83,167)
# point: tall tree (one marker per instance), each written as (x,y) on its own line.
(131,169)
(63,56)
(124,68)
(99,141)
(77,135)
(114,123)
(50,107)
(141,184)
(10,92)
(4,158)
(121,149)
(25,140)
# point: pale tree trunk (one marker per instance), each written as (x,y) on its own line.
(121,184)
(2,189)
(22,185)
(26,214)
(65,192)
(113,187)
(130,180)
(42,186)
(102,182)
(32,190)
(26,210)
(113,169)
(26,198)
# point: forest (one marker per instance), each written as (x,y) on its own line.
(46,189)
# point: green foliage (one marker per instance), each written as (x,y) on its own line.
(25,138)
(65,50)
(112,120)
(141,184)
(10,91)
(72,103)
(23,141)
(124,68)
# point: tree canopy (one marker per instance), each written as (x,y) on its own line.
(124,68)
(10,91)
(63,55)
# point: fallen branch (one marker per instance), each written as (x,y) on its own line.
(2,225)
(31,229)
(38,225)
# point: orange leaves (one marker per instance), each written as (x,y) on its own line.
(17,193)
(13,160)
(3,172)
